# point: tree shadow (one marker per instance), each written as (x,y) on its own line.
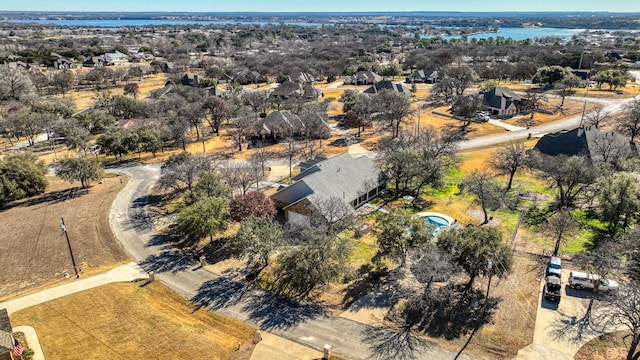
(574,328)
(139,219)
(394,343)
(450,311)
(166,261)
(221,292)
(272,312)
(48,198)
(268,311)
(216,251)
(362,287)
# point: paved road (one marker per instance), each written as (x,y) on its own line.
(609,105)
(303,324)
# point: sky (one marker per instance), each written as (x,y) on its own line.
(320,6)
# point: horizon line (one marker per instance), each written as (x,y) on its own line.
(319,12)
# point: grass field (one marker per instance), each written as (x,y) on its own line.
(127,321)
(34,249)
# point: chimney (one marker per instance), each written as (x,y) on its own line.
(580,131)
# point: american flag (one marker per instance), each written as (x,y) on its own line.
(17,348)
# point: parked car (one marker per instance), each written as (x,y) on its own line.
(581,280)
(555,267)
(553,288)
(484,117)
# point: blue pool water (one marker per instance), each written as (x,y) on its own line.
(436,220)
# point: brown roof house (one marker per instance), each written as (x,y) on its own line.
(352,181)
(502,101)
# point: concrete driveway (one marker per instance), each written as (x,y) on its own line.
(551,319)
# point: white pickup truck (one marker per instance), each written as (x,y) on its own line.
(581,280)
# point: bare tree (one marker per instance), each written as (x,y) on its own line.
(261,154)
(291,149)
(596,117)
(622,310)
(486,191)
(629,122)
(558,226)
(570,175)
(217,110)
(238,176)
(241,127)
(507,160)
(332,214)
(393,108)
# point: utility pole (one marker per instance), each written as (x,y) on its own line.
(73,259)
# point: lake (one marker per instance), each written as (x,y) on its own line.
(507,32)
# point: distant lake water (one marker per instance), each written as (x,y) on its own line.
(530,33)
(506,32)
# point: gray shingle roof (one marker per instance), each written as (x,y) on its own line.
(387,85)
(288,88)
(501,97)
(341,177)
(587,141)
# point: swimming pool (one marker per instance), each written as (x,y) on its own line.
(437,219)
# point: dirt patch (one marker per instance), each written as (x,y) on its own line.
(34,250)
(479,217)
(117,320)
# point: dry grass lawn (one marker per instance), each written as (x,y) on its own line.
(84,99)
(33,248)
(125,320)
(606,347)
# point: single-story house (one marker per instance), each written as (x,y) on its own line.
(302,77)
(96,61)
(116,57)
(387,85)
(246,77)
(502,101)
(422,76)
(363,78)
(63,64)
(596,145)
(281,124)
(290,89)
(353,181)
